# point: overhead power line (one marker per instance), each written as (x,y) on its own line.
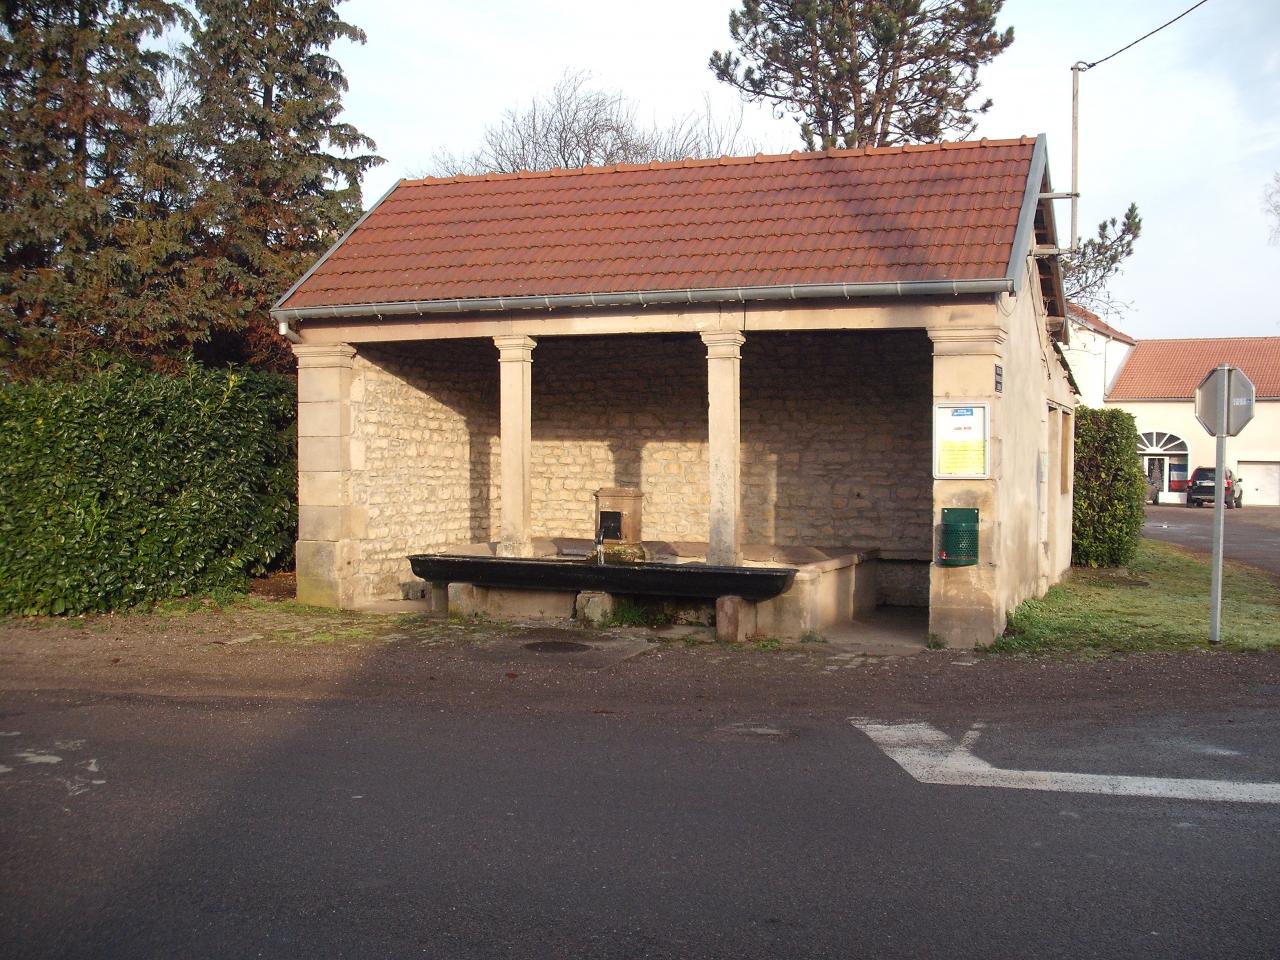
(1090,66)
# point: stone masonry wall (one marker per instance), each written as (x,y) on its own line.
(835,431)
(837,440)
(620,411)
(424,452)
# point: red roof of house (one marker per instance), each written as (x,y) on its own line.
(1094,322)
(1172,369)
(918,213)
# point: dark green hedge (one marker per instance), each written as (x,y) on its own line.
(128,486)
(1109,489)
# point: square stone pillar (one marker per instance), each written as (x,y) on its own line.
(329,524)
(515,364)
(967,605)
(724,440)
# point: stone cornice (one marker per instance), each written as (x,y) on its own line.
(324,354)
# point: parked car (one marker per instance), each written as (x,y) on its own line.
(1200,489)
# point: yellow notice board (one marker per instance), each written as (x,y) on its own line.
(961,441)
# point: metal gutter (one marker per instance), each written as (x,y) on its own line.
(1025,232)
(644,298)
(285,331)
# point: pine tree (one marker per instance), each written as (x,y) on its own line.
(1087,272)
(860,73)
(282,174)
(76,89)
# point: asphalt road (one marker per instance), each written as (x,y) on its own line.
(683,805)
(1250,535)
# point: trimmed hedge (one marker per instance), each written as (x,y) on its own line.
(129,486)
(1109,489)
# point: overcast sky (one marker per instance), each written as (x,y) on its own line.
(1187,124)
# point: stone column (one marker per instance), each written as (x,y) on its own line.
(724,359)
(967,604)
(329,524)
(515,360)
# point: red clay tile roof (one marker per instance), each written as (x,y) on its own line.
(936,212)
(1094,322)
(1172,369)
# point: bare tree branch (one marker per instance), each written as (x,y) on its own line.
(578,125)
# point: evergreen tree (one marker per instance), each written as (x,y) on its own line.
(281,173)
(1087,272)
(864,73)
(76,90)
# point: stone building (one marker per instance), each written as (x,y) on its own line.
(759,351)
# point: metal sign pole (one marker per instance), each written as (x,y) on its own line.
(1219,507)
(1222,414)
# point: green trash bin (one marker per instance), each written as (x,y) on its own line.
(958,545)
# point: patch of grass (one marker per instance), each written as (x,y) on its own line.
(286,608)
(325,634)
(185,606)
(767,643)
(812,636)
(935,642)
(638,613)
(1160,603)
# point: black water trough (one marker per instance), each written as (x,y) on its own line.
(657,579)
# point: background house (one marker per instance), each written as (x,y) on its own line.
(1157,385)
(1096,351)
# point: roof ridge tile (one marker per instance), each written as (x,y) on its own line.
(687,162)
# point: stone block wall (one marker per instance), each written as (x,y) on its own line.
(835,433)
(620,411)
(424,452)
(837,443)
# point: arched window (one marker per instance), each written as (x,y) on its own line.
(1156,442)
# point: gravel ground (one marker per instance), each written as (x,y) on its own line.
(276,649)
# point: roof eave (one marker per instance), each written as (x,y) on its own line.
(646,298)
(332,247)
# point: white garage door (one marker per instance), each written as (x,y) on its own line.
(1261,482)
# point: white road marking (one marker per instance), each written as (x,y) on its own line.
(930,756)
(37,756)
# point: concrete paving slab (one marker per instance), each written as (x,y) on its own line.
(883,632)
